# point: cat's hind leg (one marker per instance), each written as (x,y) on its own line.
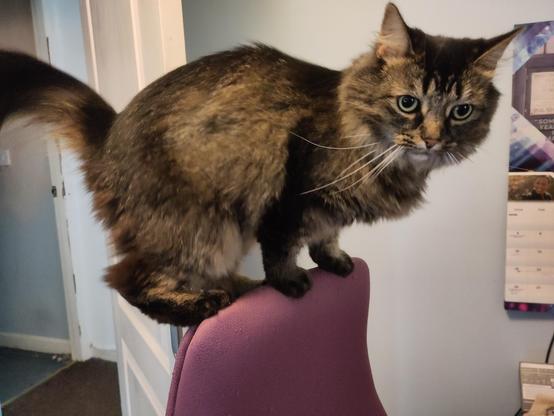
(182,308)
(162,291)
(240,285)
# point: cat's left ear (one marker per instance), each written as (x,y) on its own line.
(394,38)
(488,60)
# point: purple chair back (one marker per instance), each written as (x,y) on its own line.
(271,355)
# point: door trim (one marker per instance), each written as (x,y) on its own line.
(56,177)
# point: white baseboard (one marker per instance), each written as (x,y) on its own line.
(35,343)
(108,355)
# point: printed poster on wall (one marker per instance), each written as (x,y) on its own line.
(530,225)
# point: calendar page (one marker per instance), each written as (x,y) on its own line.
(530,223)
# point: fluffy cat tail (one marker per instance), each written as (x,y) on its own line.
(33,88)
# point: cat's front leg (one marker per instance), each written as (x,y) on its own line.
(281,271)
(328,255)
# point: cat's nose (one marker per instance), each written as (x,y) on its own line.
(429,143)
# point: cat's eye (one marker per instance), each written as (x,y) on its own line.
(461,112)
(407,103)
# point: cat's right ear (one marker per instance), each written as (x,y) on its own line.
(394,39)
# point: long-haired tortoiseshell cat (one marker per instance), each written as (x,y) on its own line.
(252,144)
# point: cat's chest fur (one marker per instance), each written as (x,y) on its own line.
(394,193)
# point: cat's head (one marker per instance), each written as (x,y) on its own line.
(431,96)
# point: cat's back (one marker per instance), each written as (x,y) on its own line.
(221,123)
(234,88)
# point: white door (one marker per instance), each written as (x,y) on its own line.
(129,44)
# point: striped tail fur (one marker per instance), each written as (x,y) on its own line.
(33,88)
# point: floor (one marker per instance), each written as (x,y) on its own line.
(21,370)
(88,388)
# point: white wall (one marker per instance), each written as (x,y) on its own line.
(440,342)
(31,286)
(62,25)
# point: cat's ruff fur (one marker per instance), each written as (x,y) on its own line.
(216,155)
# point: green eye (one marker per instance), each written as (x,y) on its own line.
(461,112)
(407,103)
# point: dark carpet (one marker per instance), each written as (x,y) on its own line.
(20,370)
(87,388)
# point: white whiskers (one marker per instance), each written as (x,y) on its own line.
(464,157)
(341,178)
(450,157)
(362,146)
(346,169)
(377,170)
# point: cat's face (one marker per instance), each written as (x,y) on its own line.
(428,99)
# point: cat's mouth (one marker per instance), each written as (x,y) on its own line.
(419,155)
(428,156)
(414,150)
(433,157)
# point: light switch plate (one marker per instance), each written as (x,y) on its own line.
(5,157)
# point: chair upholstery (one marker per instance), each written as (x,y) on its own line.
(271,355)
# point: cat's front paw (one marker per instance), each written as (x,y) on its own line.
(341,265)
(294,284)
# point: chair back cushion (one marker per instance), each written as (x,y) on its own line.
(267,354)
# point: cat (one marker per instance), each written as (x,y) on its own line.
(252,144)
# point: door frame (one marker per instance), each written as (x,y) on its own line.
(144,352)
(57,180)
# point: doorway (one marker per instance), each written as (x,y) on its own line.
(34,322)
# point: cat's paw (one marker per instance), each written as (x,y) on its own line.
(212,301)
(341,265)
(294,285)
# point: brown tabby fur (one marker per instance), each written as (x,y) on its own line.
(215,155)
